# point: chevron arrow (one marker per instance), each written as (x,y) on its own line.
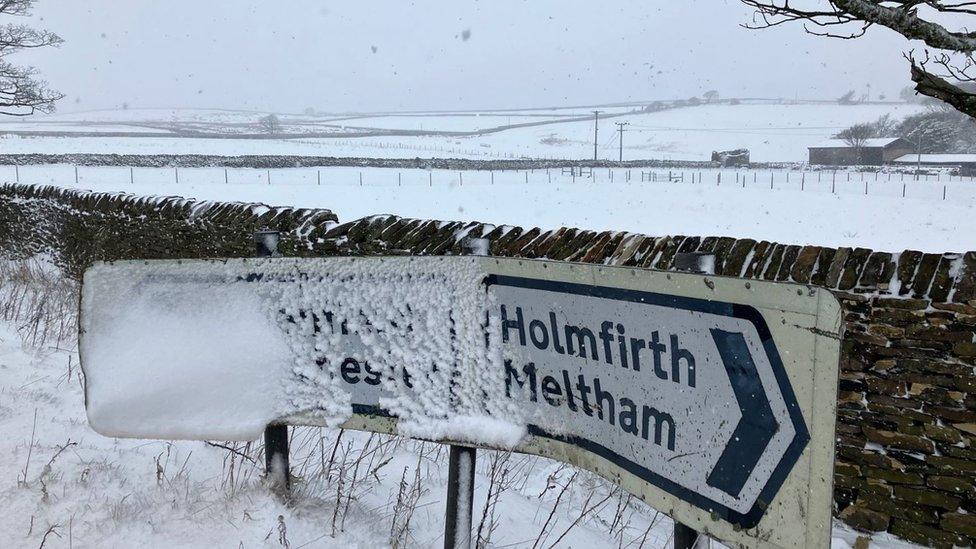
(757,426)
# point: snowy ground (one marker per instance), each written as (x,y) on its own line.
(773,132)
(65,486)
(821,208)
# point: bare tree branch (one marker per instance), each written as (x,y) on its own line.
(897,15)
(849,19)
(907,23)
(19,37)
(15,7)
(931,85)
(21,94)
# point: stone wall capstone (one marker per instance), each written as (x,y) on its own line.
(906,426)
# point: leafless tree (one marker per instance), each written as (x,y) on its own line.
(884,126)
(857,137)
(711,95)
(21,94)
(939,131)
(270,124)
(947,60)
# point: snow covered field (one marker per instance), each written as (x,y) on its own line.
(379,147)
(821,208)
(772,132)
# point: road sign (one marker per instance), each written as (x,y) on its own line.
(712,399)
(673,390)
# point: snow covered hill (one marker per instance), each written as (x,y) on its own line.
(773,131)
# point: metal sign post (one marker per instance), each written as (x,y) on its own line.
(275,436)
(460,475)
(460,497)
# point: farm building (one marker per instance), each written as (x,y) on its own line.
(965,163)
(874,152)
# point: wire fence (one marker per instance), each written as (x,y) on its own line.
(928,186)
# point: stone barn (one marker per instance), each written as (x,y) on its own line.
(874,152)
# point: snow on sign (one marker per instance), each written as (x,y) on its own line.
(713,399)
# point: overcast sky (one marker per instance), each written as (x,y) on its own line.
(395,55)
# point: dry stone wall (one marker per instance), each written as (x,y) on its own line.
(906,441)
(76,228)
(292,161)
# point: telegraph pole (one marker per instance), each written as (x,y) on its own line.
(920,135)
(596,130)
(620,128)
(918,163)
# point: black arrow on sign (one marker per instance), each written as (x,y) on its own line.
(757,426)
